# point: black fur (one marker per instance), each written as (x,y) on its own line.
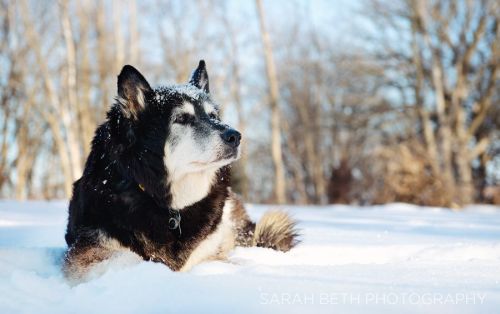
(128,151)
(200,77)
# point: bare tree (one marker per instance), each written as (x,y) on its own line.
(452,67)
(423,86)
(134,33)
(274,99)
(68,105)
(236,97)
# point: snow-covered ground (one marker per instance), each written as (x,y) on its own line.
(374,259)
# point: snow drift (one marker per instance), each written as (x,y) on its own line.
(382,258)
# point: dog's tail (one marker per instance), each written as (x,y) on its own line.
(276,230)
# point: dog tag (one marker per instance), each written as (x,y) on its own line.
(175,221)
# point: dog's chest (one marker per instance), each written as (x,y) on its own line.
(217,244)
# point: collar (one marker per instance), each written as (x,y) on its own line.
(174,222)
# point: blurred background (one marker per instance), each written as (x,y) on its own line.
(361,102)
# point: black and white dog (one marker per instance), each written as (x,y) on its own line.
(157,183)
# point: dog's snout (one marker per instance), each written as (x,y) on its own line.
(231,137)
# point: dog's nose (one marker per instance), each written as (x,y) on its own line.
(231,137)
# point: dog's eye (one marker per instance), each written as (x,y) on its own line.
(212,116)
(184,119)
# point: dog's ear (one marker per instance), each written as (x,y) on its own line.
(199,78)
(132,90)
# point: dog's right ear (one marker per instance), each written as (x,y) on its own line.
(199,78)
(132,91)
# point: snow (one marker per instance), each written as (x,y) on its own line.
(390,258)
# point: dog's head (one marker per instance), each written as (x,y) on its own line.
(179,122)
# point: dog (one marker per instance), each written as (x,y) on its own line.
(156,183)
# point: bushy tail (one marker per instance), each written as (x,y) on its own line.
(276,230)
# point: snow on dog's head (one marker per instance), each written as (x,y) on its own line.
(182,123)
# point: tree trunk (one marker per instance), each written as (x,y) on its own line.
(54,106)
(297,172)
(71,126)
(236,95)
(119,41)
(444,129)
(274,98)
(134,34)
(105,66)
(86,119)
(425,120)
